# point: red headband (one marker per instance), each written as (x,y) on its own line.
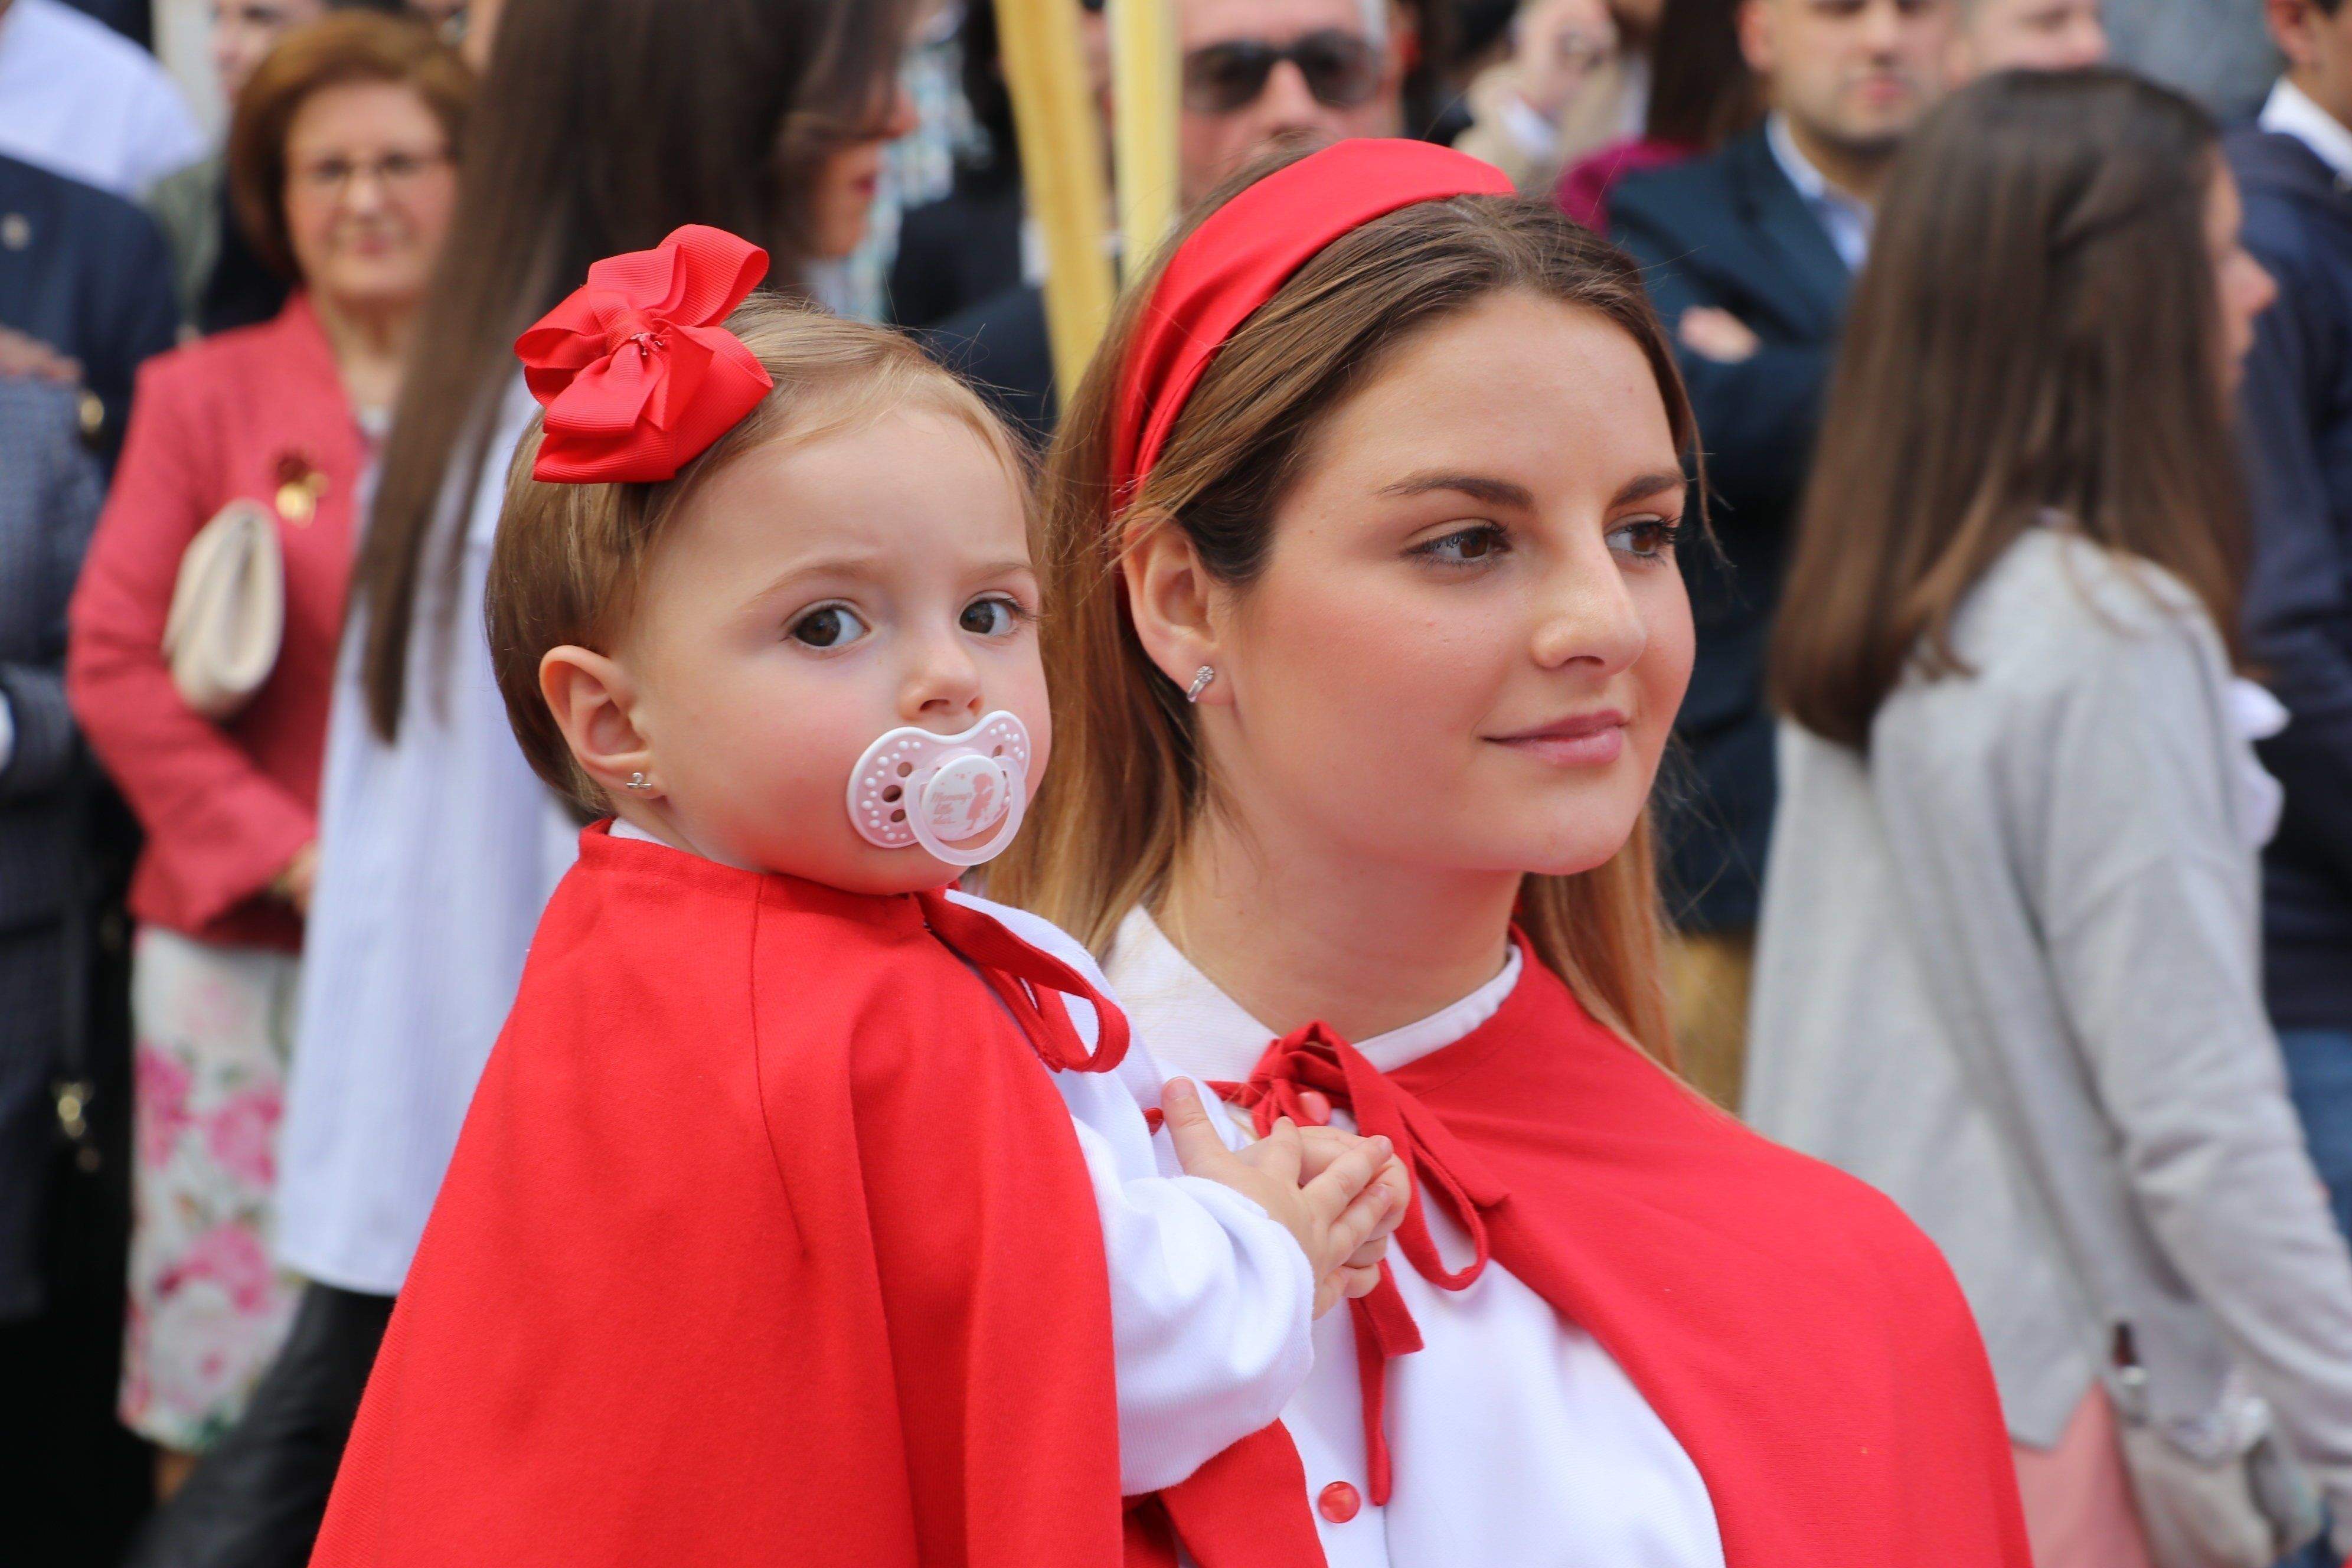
(1247,250)
(636,371)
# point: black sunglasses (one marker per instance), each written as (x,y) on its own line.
(1342,69)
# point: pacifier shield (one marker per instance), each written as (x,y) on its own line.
(966,798)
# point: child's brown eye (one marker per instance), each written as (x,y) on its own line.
(829,626)
(991,617)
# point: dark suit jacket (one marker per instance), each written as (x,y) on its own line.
(1001,346)
(2297,423)
(48,500)
(1729,230)
(957,251)
(89,274)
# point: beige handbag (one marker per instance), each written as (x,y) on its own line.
(228,610)
(2242,1503)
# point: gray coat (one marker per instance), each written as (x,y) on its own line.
(2007,972)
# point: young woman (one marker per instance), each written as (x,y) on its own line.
(604,125)
(1369,635)
(343,158)
(2009,959)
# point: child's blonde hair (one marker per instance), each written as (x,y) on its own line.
(568,557)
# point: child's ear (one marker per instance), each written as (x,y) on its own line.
(1169,595)
(590,697)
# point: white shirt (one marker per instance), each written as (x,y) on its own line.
(1845,220)
(1211,1299)
(437,857)
(80,100)
(2290,111)
(1516,1438)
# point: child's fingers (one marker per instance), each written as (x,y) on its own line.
(1328,1195)
(1279,1153)
(1372,1252)
(1198,1148)
(1359,1280)
(1358,1225)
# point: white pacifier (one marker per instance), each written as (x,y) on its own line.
(913,786)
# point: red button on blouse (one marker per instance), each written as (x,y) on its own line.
(1339,1502)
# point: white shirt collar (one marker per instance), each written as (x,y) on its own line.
(1846,220)
(1196,1029)
(2290,112)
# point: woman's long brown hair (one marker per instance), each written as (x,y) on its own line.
(602,125)
(1128,782)
(2037,337)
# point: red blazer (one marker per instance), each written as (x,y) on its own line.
(225,806)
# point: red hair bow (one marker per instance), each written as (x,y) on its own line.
(637,373)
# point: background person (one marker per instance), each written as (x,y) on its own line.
(440,844)
(1702,94)
(1576,79)
(85,292)
(222,283)
(79,99)
(1258,74)
(2295,168)
(2008,965)
(343,161)
(1749,254)
(2025,35)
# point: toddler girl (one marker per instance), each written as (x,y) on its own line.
(796,1218)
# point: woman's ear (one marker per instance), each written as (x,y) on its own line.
(590,697)
(1171,596)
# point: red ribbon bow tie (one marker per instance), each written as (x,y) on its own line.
(1315,1060)
(636,371)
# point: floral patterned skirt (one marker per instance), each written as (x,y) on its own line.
(208,1308)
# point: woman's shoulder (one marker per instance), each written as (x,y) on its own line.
(1811,1221)
(223,365)
(2060,620)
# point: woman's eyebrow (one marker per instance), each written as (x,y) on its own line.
(1649,484)
(1477,487)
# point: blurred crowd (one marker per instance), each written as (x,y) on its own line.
(2019,334)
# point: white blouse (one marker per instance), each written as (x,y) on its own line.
(1516,1437)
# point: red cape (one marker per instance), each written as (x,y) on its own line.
(1804,1342)
(766,1242)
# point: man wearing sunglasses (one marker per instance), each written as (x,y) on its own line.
(1261,72)
(1258,73)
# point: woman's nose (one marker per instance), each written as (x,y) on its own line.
(1588,615)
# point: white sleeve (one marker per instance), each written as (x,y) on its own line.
(1212,1308)
(1211,1302)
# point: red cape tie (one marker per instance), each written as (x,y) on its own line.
(1031,985)
(1315,1059)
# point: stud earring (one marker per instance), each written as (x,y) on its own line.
(638,783)
(1201,680)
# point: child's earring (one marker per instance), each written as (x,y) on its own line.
(638,783)
(1201,680)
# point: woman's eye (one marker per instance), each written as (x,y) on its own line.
(1647,537)
(829,626)
(1465,547)
(994,617)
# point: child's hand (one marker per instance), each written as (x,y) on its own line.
(1361,1275)
(1332,1216)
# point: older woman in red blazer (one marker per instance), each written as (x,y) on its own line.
(341,161)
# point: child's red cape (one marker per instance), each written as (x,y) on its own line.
(1804,1342)
(766,1243)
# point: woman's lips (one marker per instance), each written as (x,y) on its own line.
(1589,741)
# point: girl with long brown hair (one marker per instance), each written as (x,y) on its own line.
(2007,968)
(1365,636)
(602,125)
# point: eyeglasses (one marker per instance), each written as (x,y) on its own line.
(396,173)
(1342,69)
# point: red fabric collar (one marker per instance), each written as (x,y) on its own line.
(1244,251)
